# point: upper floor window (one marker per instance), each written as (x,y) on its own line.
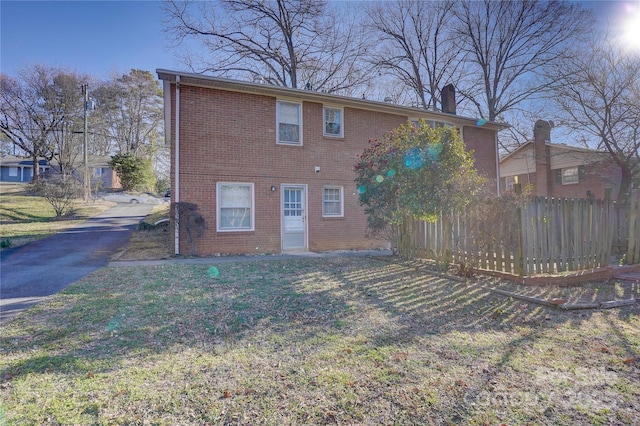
(332,204)
(235,206)
(510,182)
(434,124)
(570,176)
(333,122)
(431,123)
(289,123)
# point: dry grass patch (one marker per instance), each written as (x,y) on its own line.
(150,241)
(312,341)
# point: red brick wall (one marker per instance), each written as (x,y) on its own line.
(231,137)
(597,177)
(482,142)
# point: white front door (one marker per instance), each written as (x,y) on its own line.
(294,217)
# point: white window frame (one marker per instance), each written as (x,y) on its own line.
(279,104)
(435,123)
(341,201)
(432,123)
(219,207)
(510,182)
(13,172)
(340,134)
(572,178)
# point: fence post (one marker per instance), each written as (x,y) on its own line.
(446,239)
(633,250)
(518,261)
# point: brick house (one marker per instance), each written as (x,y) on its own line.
(559,170)
(271,169)
(20,170)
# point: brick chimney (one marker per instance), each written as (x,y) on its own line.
(541,135)
(448,98)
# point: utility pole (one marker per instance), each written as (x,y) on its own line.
(87,177)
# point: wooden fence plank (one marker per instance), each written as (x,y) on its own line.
(546,235)
(633,248)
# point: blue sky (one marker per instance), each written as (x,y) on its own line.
(96,37)
(102,37)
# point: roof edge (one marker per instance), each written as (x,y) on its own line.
(199,80)
(552,145)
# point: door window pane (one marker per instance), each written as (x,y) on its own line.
(293,210)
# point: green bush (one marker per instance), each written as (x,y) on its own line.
(135,173)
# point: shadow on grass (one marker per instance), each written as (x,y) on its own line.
(16,216)
(392,323)
(159,306)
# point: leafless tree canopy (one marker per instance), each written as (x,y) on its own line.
(510,46)
(42,114)
(498,54)
(67,139)
(416,46)
(289,43)
(600,96)
(39,111)
(504,57)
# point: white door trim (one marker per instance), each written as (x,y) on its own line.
(305,230)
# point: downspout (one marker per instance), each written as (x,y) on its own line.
(497,163)
(176,196)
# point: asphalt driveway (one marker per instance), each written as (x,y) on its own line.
(30,273)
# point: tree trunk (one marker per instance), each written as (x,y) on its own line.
(36,169)
(625,183)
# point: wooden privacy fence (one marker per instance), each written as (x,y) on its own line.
(544,235)
(633,221)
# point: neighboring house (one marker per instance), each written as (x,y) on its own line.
(271,169)
(558,170)
(101,172)
(20,169)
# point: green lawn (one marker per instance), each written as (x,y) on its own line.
(25,217)
(312,341)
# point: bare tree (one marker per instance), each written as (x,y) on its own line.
(292,43)
(35,106)
(509,47)
(416,46)
(59,190)
(600,98)
(6,146)
(66,139)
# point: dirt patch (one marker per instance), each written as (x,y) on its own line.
(147,244)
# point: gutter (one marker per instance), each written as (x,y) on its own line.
(176,195)
(497,164)
(199,80)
